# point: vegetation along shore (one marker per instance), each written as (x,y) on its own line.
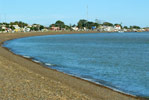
(82,25)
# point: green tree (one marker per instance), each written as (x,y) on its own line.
(68,27)
(35,28)
(41,27)
(90,25)
(19,23)
(59,24)
(134,27)
(125,27)
(52,25)
(96,24)
(0,28)
(12,27)
(107,24)
(74,25)
(131,27)
(82,23)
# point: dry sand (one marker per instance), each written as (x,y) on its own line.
(23,79)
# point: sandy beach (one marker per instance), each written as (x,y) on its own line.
(23,79)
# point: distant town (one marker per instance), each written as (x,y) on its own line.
(82,25)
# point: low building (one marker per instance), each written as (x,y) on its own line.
(93,27)
(146,29)
(106,29)
(44,30)
(109,29)
(125,30)
(26,29)
(117,28)
(54,28)
(17,28)
(75,28)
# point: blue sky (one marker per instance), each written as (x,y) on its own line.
(46,12)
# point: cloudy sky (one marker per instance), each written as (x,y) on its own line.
(46,12)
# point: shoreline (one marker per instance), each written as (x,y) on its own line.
(95,91)
(84,79)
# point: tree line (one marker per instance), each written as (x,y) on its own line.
(89,24)
(81,25)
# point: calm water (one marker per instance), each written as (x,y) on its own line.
(116,60)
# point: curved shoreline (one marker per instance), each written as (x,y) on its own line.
(91,89)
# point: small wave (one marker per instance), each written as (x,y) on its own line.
(36,61)
(48,64)
(27,56)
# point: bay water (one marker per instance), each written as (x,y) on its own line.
(116,60)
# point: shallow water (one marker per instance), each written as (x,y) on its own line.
(116,60)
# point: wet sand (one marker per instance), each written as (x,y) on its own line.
(23,79)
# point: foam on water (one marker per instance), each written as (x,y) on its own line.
(48,64)
(27,56)
(36,61)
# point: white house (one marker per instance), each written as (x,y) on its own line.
(117,27)
(75,28)
(44,30)
(55,28)
(17,28)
